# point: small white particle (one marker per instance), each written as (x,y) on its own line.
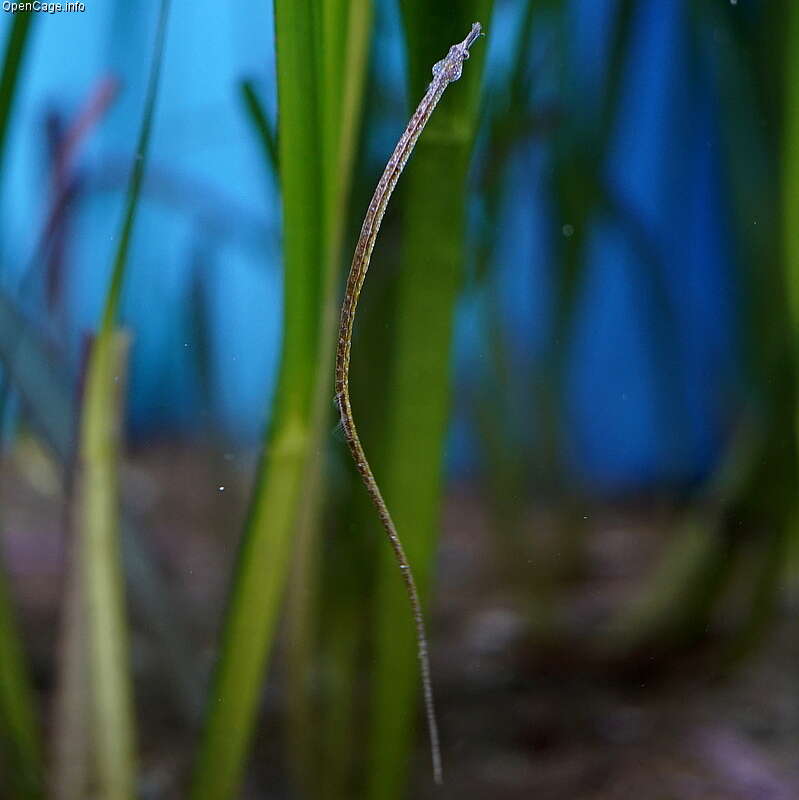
(221,488)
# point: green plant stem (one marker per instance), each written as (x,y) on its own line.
(97,497)
(428,286)
(257,115)
(249,627)
(346,30)
(16,45)
(764,187)
(790,173)
(412,476)
(52,410)
(776,556)
(263,562)
(350,558)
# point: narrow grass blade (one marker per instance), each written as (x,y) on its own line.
(429,282)
(756,97)
(776,557)
(351,552)
(319,99)
(579,156)
(790,172)
(260,123)
(504,436)
(36,372)
(97,498)
(263,563)
(16,45)
(111,306)
(345,31)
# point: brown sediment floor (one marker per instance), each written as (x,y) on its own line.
(519,718)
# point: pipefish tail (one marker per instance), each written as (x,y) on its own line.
(444,72)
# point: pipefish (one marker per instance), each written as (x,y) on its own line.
(445,72)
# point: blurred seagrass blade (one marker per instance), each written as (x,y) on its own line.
(16,45)
(353,541)
(499,395)
(416,420)
(580,149)
(20,746)
(263,562)
(781,556)
(345,31)
(790,176)
(97,496)
(321,54)
(756,104)
(98,563)
(260,123)
(675,604)
(36,371)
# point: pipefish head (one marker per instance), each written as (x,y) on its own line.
(451,65)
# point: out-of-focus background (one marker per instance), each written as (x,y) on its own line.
(574,368)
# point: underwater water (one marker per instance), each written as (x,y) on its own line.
(571,367)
